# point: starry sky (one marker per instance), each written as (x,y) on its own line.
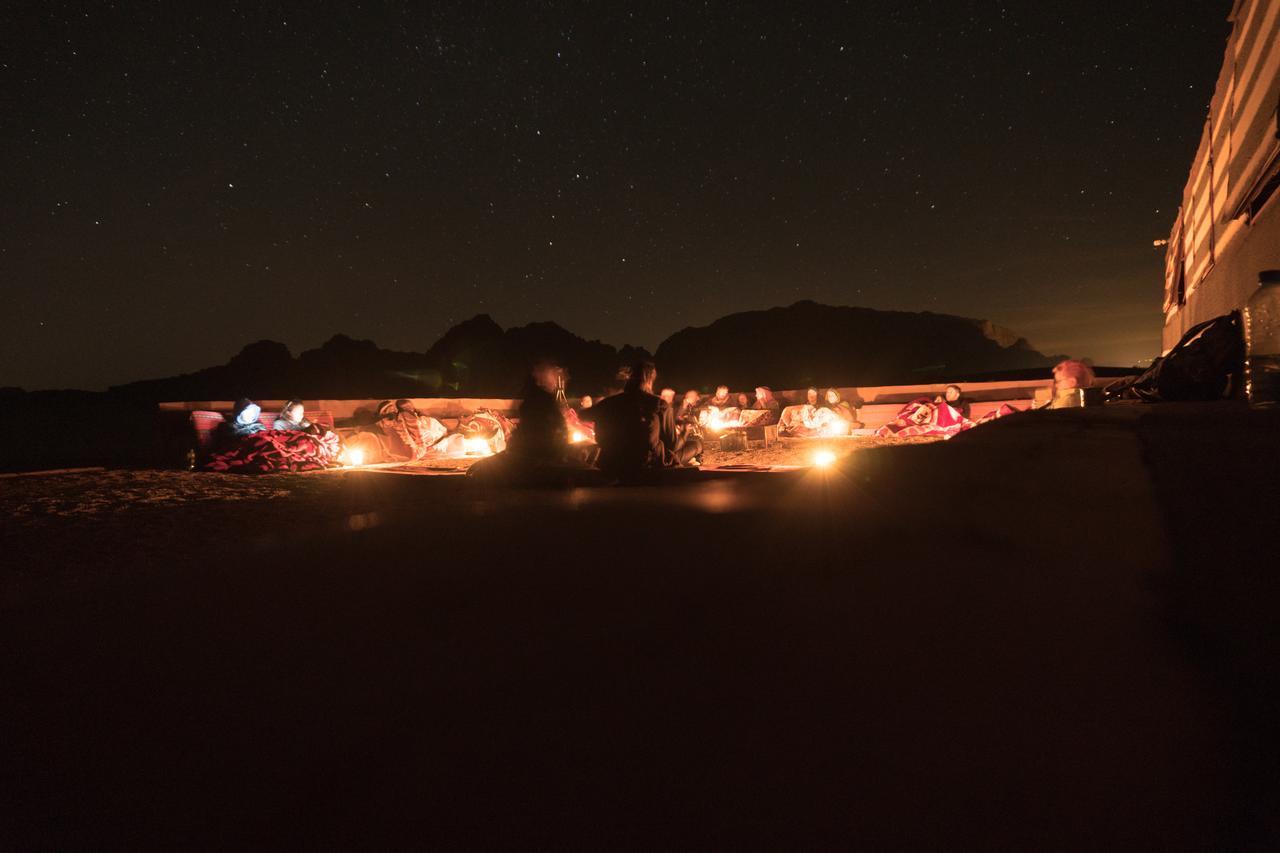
(182,179)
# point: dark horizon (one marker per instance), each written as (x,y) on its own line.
(180,187)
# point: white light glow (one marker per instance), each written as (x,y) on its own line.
(824,459)
(477,447)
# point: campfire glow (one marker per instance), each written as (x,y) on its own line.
(354,456)
(824,459)
(577,437)
(477,447)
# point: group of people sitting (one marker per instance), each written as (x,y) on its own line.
(290,443)
(399,433)
(696,414)
(949,413)
(822,413)
(630,431)
(627,435)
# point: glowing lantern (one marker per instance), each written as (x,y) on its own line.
(477,447)
(824,459)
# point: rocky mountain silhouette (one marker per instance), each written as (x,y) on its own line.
(812,344)
(474,358)
(801,344)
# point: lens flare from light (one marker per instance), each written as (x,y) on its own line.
(824,459)
(477,447)
(355,456)
(577,437)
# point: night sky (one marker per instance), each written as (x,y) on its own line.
(178,183)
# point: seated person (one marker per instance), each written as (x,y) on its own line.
(541,435)
(1070,379)
(793,417)
(244,420)
(767,403)
(579,430)
(258,450)
(844,410)
(293,418)
(954,397)
(918,417)
(686,414)
(744,401)
(668,396)
(619,381)
(722,399)
(720,411)
(636,430)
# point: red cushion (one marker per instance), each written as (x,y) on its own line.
(206,426)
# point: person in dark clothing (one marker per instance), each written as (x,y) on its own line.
(539,450)
(244,421)
(619,382)
(722,399)
(542,436)
(636,430)
(686,415)
(954,397)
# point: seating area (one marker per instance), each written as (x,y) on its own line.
(205,423)
(877,406)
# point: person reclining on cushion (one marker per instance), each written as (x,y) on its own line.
(954,397)
(407,433)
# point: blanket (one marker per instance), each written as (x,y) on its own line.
(277,450)
(923,416)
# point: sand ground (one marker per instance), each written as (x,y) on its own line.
(32,499)
(1054,632)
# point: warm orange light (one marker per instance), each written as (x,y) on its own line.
(355,456)
(577,437)
(824,459)
(477,447)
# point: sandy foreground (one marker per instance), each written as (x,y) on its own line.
(34,499)
(1051,633)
